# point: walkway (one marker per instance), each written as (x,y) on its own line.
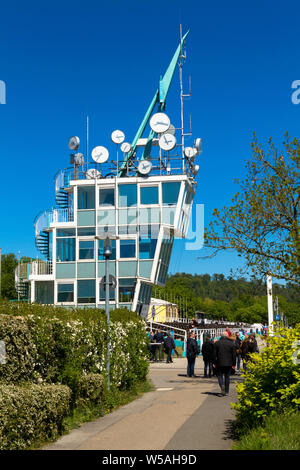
(181,414)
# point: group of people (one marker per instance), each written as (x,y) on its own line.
(221,357)
(159,344)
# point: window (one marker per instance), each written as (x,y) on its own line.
(65,249)
(127,195)
(170,192)
(102,294)
(126,290)
(148,242)
(86,249)
(86,197)
(127,249)
(86,291)
(65,293)
(149,194)
(86,231)
(100,250)
(107,197)
(66,232)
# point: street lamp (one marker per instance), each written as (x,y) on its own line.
(107,252)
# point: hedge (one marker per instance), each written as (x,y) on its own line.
(272,382)
(56,345)
(31,413)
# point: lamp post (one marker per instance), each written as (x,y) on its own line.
(270,303)
(107,252)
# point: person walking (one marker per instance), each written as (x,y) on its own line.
(159,339)
(248,346)
(224,360)
(238,343)
(169,346)
(192,351)
(208,356)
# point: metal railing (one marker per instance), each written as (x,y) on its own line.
(35,268)
(61,215)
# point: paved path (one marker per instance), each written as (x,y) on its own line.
(181,414)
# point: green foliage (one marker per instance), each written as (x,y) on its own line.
(229,298)
(272,383)
(90,390)
(8,265)
(20,350)
(30,413)
(64,344)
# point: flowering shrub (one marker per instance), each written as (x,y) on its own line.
(272,383)
(30,413)
(62,345)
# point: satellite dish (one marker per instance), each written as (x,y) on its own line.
(100,154)
(196,169)
(160,123)
(74,143)
(77,158)
(198,145)
(92,173)
(117,137)
(171,130)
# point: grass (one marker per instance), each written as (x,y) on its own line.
(279,432)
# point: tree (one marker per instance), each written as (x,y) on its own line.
(262,224)
(8,264)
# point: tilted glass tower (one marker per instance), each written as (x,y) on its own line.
(141,198)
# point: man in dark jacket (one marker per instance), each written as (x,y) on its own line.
(192,351)
(169,346)
(159,339)
(208,356)
(225,359)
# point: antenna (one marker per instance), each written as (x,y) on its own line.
(182,57)
(87,142)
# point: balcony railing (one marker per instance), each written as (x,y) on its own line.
(35,268)
(61,215)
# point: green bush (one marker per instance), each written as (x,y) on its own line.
(20,350)
(272,383)
(67,343)
(90,390)
(31,413)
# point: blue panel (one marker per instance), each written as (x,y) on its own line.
(106,217)
(86,231)
(86,218)
(65,292)
(145,269)
(101,268)
(170,192)
(168,215)
(86,270)
(127,268)
(127,195)
(65,270)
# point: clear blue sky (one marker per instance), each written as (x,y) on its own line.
(64,60)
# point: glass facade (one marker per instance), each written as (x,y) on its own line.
(107,197)
(127,248)
(86,292)
(65,292)
(149,195)
(170,192)
(86,249)
(126,289)
(127,195)
(86,197)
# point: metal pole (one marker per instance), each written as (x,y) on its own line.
(107,319)
(270,302)
(19,275)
